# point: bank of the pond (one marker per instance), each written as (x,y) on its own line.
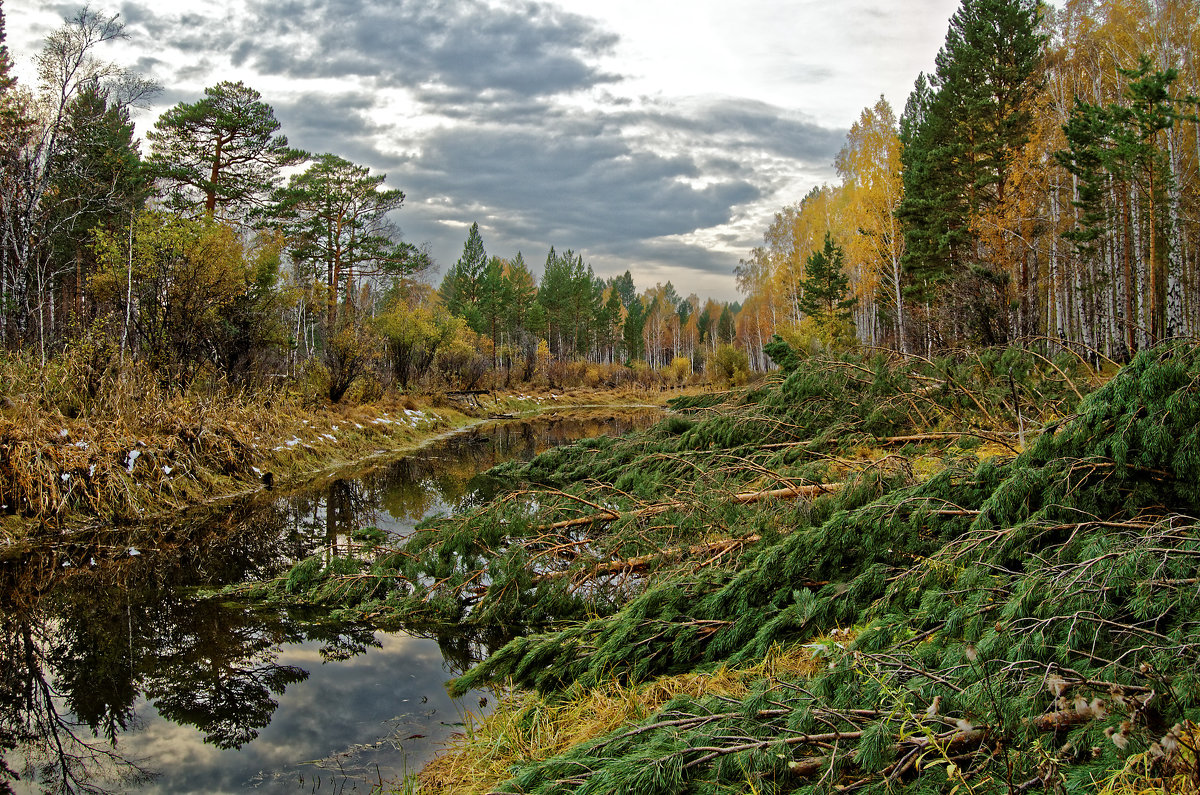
(158,459)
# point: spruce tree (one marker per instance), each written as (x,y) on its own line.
(460,288)
(98,177)
(522,293)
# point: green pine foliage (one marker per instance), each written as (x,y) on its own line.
(1027,625)
(1020,622)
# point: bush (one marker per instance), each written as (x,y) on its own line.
(678,371)
(810,337)
(728,365)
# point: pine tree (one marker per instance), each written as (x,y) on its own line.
(625,288)
(222,152)
(961,135)
(825,286)
(334,216)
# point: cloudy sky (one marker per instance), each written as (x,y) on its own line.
(654,135)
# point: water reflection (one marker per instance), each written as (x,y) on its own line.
(113,675)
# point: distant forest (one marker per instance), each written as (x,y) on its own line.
(1041,185)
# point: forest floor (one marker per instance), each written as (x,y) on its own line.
(147,455)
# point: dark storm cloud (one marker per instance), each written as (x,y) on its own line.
(324,120)
(749,124)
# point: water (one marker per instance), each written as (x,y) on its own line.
(115,675)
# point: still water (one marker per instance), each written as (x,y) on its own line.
(116,675)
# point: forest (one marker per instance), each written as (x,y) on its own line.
(215,253)
(1042,182)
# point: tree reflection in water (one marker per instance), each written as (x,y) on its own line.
(75,656)
(88,628)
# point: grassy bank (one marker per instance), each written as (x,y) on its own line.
(129,450)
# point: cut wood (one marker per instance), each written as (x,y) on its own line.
(744,498)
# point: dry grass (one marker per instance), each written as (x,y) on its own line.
(133,449)
(526,727)
(1144,773)
(80,442)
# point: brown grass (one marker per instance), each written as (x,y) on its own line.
(133,449)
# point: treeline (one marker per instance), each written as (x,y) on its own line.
(573,316)
(201,261)
(1042,181)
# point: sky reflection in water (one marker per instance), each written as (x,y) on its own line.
(210,696)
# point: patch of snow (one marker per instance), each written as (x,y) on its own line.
(167,470)
(131,460)
(66,476)
(64,433)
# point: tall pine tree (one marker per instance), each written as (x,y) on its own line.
(962,132)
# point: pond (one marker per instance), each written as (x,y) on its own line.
(116,674)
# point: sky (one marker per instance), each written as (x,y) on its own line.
(658,136)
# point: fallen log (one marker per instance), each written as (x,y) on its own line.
(744,498)
(643,561)
(883,441)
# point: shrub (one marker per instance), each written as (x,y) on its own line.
(728,365)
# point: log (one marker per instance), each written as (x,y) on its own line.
(744,498)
